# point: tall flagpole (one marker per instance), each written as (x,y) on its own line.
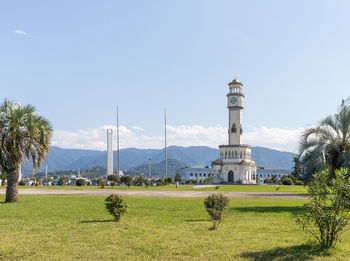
(118,167)
(166,160)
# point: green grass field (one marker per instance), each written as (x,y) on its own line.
(222,188)
(79,228)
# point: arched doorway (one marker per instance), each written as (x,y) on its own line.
(230,176)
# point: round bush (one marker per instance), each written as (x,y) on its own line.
(299,182)
(80,182)
(287,181)
(116,206)
(215,205)
(22,183)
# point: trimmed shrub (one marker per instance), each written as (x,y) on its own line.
(287,181)
(299,182)
(178,177)
(22,182)
(127,180)
(215,205)
(113,177)
(80,182)
(116,206)
(160,182)
(168,180)
(141,179)
(62,180)
(268,181)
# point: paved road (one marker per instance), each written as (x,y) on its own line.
(157,193)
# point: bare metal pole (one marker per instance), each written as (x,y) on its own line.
(46,175)
(118,166)
(166,160)
(149,169)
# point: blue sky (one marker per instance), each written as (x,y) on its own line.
(77,60)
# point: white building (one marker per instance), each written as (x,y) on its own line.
(266,173)
(235,164)
(198,175)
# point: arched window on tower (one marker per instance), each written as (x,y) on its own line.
(236,154)
(233,128)
(240,156)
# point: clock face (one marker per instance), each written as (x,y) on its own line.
(233,100)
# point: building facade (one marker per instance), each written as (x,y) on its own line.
(266,173)
(198,175)
(235,164)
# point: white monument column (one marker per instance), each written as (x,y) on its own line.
(109,152)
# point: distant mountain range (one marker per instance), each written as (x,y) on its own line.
(133,160)
(157,169)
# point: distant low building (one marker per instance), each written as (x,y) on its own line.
(197,174)
(266,173)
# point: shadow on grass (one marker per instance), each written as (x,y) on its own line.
(196,220)
(272,209)
(293,253)
(96,221)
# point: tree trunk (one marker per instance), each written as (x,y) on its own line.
(12,184)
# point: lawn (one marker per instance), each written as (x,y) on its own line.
(79,228)
(222,188)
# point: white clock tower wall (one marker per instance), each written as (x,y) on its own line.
(235,126)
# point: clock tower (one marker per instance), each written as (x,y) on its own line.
(235,164)
(235,107)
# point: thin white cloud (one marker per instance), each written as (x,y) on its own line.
(20,32)
(137,128)
(195,135)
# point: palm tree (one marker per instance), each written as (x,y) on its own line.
(328,143)
(296,169)
(23,134)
